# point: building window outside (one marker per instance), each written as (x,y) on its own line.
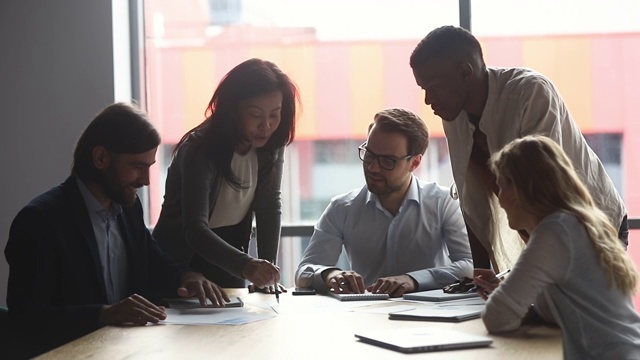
(348,67)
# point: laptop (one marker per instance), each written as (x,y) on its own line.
(422,339)
(447,313)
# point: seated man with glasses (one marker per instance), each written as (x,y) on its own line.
(400,234)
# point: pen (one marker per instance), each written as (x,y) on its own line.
(502,273)
(275,286)
(498,276)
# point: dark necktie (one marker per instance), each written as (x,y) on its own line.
(479,163)
(479,159)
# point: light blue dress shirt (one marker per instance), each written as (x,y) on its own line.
(426,239)
(111,247)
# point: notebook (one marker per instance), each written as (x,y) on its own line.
(195,303)
(440,313)
(422,339)
(438,295)
(359,297)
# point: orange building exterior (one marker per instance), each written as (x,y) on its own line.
(342,84)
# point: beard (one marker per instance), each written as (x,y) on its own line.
(380,186)
(116,190)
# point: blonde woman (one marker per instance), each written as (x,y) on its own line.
(574,270)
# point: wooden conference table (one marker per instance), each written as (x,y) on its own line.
(298,331)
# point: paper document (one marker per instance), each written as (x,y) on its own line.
(385,309)
(324,303)
(438,295)
(220,316)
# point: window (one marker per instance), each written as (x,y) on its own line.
(347,68)
(349,59)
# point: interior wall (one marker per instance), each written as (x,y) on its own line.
(56,73)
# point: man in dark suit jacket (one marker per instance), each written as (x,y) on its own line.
(80,255)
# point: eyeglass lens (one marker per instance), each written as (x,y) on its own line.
(384,162)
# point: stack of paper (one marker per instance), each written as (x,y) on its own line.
(438,295)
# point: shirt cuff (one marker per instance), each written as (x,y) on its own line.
(318,282)
(424,279)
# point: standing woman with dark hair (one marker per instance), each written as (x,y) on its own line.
(227,169)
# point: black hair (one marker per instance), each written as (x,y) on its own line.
(446,43)
(221,131)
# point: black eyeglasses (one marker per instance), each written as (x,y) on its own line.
(385,162)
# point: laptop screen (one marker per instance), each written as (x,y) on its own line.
(421,339)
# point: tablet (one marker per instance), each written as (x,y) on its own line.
(195,303)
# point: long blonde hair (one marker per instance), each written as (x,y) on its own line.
(546,182)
